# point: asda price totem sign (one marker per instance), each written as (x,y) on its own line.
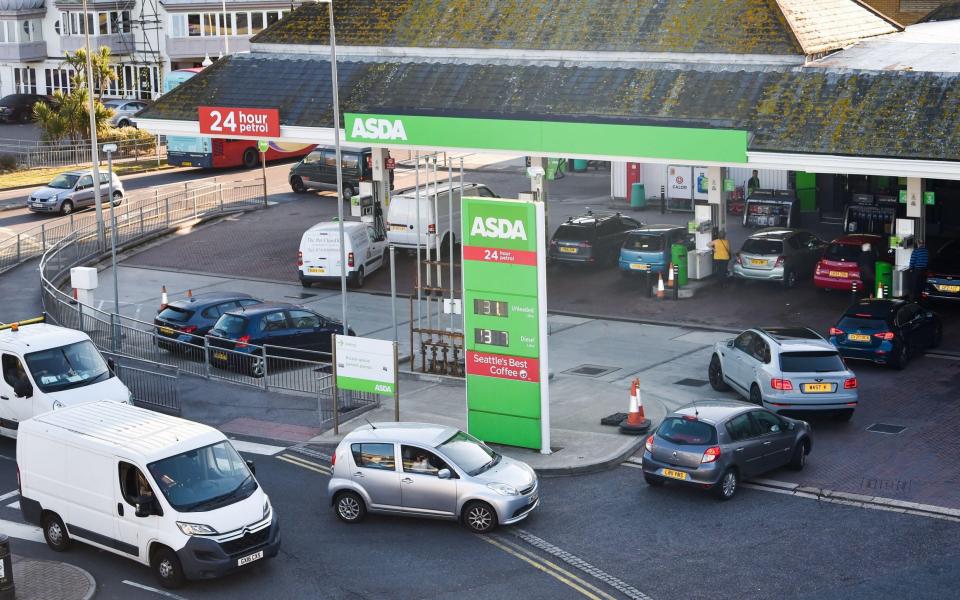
(504,293)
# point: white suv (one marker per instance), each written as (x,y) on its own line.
(785,369)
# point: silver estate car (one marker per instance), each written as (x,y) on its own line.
(779,254)
(72,190)
(429,471)
(715,444)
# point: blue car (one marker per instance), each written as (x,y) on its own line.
(182,324)
(886,331)
(943,274)
(647,249)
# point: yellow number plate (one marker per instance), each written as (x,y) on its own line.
(757,261)
(674,474)
(166,330)
(220,355)
(398,228)
(568,250)
(858,337)
(640,266)
(186,163)
(316,270)
(818,388)
(949,288)
(839,274)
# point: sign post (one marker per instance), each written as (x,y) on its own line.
(505,322)
(263,146)
(365,365)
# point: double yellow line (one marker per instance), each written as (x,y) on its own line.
(562,575)
(305,464)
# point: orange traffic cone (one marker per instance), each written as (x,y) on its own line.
(670,277)
(190,294)
(636,423)
(660,291)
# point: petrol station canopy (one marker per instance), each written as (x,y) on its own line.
(817,85)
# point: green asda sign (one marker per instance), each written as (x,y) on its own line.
(550,137)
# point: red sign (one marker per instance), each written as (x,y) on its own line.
(229,122)
(503,367)
(391,163)
(499,255)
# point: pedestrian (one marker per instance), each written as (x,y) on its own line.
(866,263)
(721,255)
(753,183)
(919,259)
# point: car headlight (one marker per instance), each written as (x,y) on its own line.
(503,489)
(57,404)
(266,507)
(196,529)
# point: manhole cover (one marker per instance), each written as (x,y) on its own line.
(693,382)
(886,428)
(591,370)
(301,296)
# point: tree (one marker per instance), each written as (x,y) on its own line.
(103,72)
(68,116)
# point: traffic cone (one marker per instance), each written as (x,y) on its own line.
(163,297)
(635,423)
(190,295)
(660,291)
(670,277)
(73,299)
(880,291)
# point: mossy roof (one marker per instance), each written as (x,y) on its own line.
(885,114)
(710,26)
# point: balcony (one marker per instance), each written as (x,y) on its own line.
(193,47)
(119,43)
(23,51)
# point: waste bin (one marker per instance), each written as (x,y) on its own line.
(579,165)
(678,256)
(884,271)
(638,196)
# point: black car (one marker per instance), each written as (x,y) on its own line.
(886,331)
(238,337)
(591,238)
(184,323)
(18,108)
(943,274)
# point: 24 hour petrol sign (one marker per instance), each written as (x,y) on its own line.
(230,121)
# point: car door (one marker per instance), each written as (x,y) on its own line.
(735,366)
(375,250)
(307,330)
(105,186)
(83,191)
(133,532)
(275,330)
(13,408)
(774,438)
(375,470)
(909,326)
(748,449)
(421,490)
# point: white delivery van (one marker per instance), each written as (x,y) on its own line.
(163,491)
(319,256)
(434,214)
(46,367)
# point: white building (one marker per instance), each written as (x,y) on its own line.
(147,38)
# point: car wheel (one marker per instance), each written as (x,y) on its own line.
(117,198)
(900,361)
(799,458)
(256,367)
(653,480)
(66,208)
(305,284)
(296,184)
(479,517)
(123,123)
(715,374)
(55,532)
(167,568)
(25,117)
(790,280)
(726,488)
(358,278)
(250,158)
(350,507)
(347,192)
(755,396)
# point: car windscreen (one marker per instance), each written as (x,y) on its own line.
(687,432)
(811,362)
(574,233)
(854,323)
(175,314)
(947,258)
(644,242)
(469,453)
(8,100)
(847,252)
(64,181)
(230,326)
(204,478)
(758,246)
(66,367)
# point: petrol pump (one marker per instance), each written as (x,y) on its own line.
(368,208)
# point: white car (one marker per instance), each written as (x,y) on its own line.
(785,370)
(123,111)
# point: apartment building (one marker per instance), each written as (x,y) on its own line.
(148,38)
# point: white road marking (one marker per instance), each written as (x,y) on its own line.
(14,505)
(22,531)
(255,448)
(9,495)
(152,589)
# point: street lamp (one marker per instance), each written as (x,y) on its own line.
(109,149)
(94,155)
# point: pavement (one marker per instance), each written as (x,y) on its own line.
(51,580)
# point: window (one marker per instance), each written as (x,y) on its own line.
(213,312)
(272,17)
(256,22)
(687,432)
(24,80)
(374,456)
(85,182)
(226,23)
(349,160)
(230,326)
(607,227)
(313,158)
(811,362)
(175,314)
(469,453)
(67,367)
(761,351)
(133,484)
(420,461)
(209,24)
(178,25)
(273,322)
(744,342)
(766,423)
(330,159)
(204,478)
(842,252)
(629,223)
(908,313)
(58,80)
(794,242)
(644,242)
(193,25)
(13,371)
(241,23)
(249,302)
(104,178)
(484,192)
(741,428)
(103,22)
(303,319)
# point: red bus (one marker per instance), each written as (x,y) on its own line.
(217,153)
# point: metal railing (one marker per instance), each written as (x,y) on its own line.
(38,154)
(153,385)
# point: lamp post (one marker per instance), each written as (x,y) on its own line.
(227,28)
(94,155)
(109,149)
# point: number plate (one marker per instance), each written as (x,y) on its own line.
(818,388)
(839,274)
(949,288)
(640,266)
(568,250)
(220,355)
(316,270)
(674,474)
(398,228)
(757,261)
(186,163)
(858,337)
(249,559)
(166,330)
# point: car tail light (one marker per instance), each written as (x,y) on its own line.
(710,455)
(784,385)
(243,341)
(333,460)
(850,384)
(649,444)
(189,329)
(835,331)
(779,263)
(739,259)
(432,228)
(350,259)
(884,335)
(300,258)
(819,270)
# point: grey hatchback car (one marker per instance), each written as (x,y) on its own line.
(72,190)
(429,471)
(715,444)
(779,254)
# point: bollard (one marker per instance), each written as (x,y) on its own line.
(676,281)
(648,284)
(663,200)
(853,291)
(7,589)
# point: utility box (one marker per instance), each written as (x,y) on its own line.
(84,280)
(678,256)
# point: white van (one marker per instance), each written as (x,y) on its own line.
(434,214)
(319,256)
(46,367)
(163,491)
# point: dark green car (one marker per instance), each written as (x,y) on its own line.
(318,171)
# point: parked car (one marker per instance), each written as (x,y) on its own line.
(237,338)
(591,238)
(427,470)
(886,331)
(648,249)
(943,274)
(778,254)
(785,370)
(318,171)
(72,190)
(318,259)
(838,269)
(717,444)
(434,214)
(182,324)
(168,493)
(18,108)
(123,110)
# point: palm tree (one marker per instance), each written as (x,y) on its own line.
(103,72)
(68,116)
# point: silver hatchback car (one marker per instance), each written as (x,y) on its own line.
(72,190)
(429,471)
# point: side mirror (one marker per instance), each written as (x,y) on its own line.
(144,506)
(443,474)
(729,343)
(23,389)
(791,426)
(112,365)
(252,467)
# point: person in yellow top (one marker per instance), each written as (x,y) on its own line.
(721,255)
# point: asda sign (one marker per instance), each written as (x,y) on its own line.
(683,144)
